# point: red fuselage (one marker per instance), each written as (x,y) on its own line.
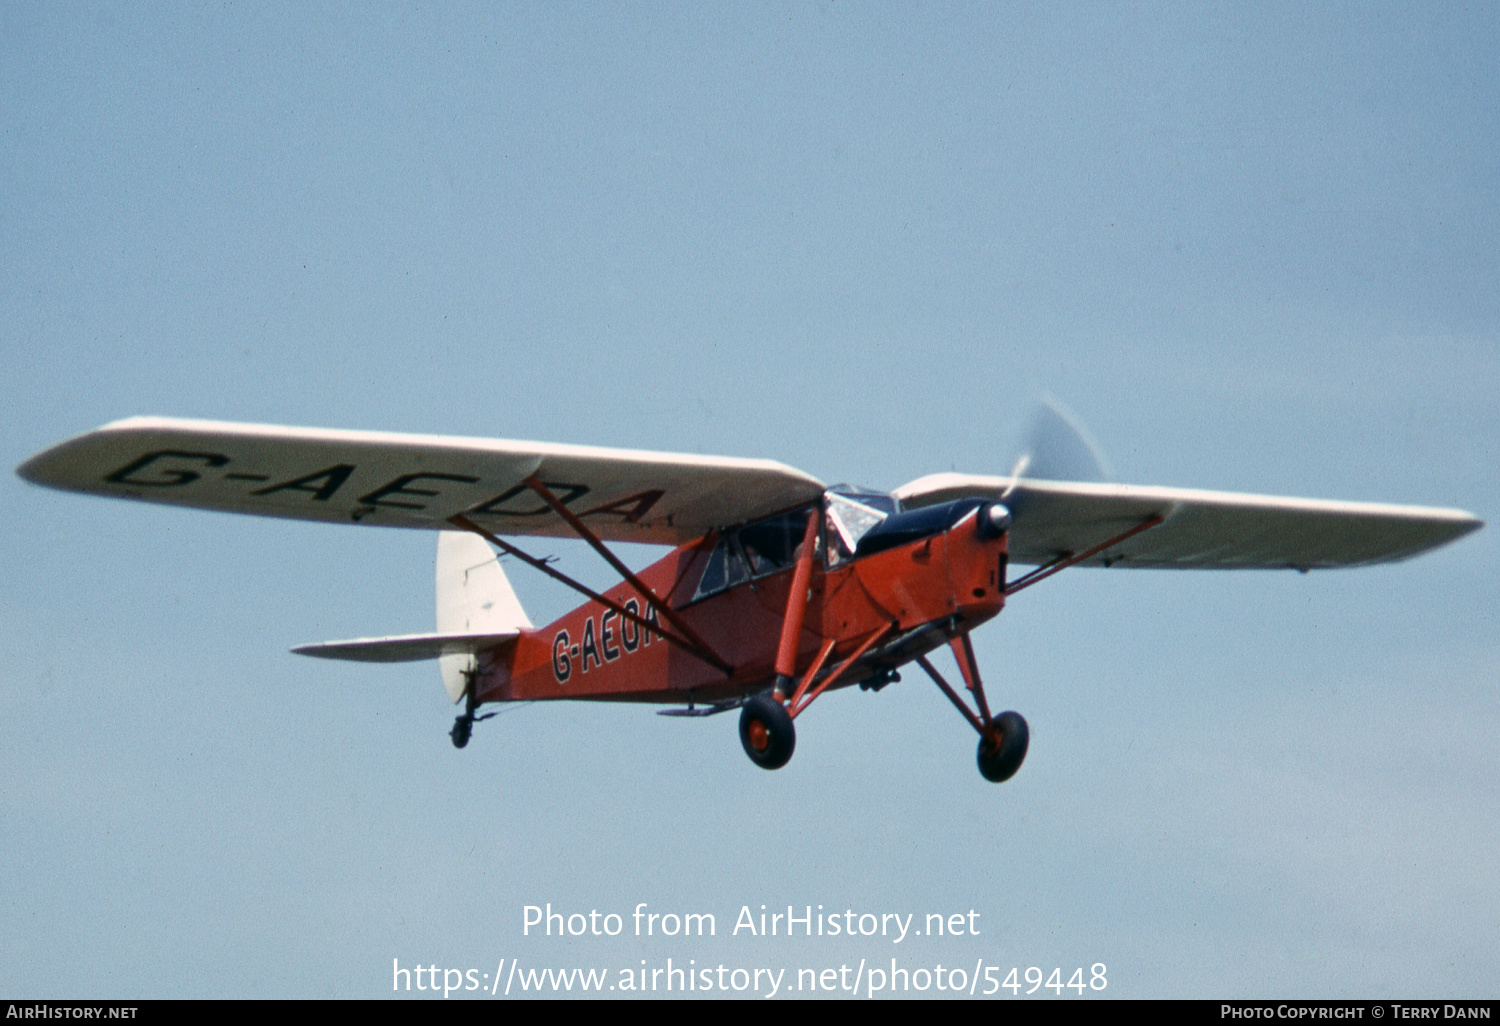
(923,592)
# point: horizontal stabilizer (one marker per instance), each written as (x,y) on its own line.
(406,648)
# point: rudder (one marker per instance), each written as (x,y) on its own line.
(473,597)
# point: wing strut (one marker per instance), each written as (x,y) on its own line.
(1067,559)
(691,644)
(703,648)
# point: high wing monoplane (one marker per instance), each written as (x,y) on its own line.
(777,588)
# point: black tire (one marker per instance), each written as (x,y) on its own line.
(462,728)
(766,732)
(1001,754)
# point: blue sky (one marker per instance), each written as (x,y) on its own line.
(1253,249)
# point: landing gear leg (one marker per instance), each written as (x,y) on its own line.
(1003,739)
(766,723)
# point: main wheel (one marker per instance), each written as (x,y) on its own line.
(1001,752)
(766,732)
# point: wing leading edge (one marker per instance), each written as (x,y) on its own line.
(417,481)
(1199,529)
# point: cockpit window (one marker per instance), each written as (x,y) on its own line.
(865,497)
(771,545)
(848,518)
(726,568)
(754,550)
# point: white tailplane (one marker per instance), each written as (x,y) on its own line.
(476,610)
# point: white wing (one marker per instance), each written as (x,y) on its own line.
(418,481)
(1200,530)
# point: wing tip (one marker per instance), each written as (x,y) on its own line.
(27,471)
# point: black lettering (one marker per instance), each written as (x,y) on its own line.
(653,621)
(630,632)
(562,666)
(566,493)
(638,503)
(168,478)
(590,646)
(398,487)
(610,653)
(333,479)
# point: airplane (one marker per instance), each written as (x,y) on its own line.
(777,588)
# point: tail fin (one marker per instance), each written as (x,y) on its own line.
(473,597)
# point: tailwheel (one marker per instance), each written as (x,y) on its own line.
(1003,746)
(766,732)
(463,726)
